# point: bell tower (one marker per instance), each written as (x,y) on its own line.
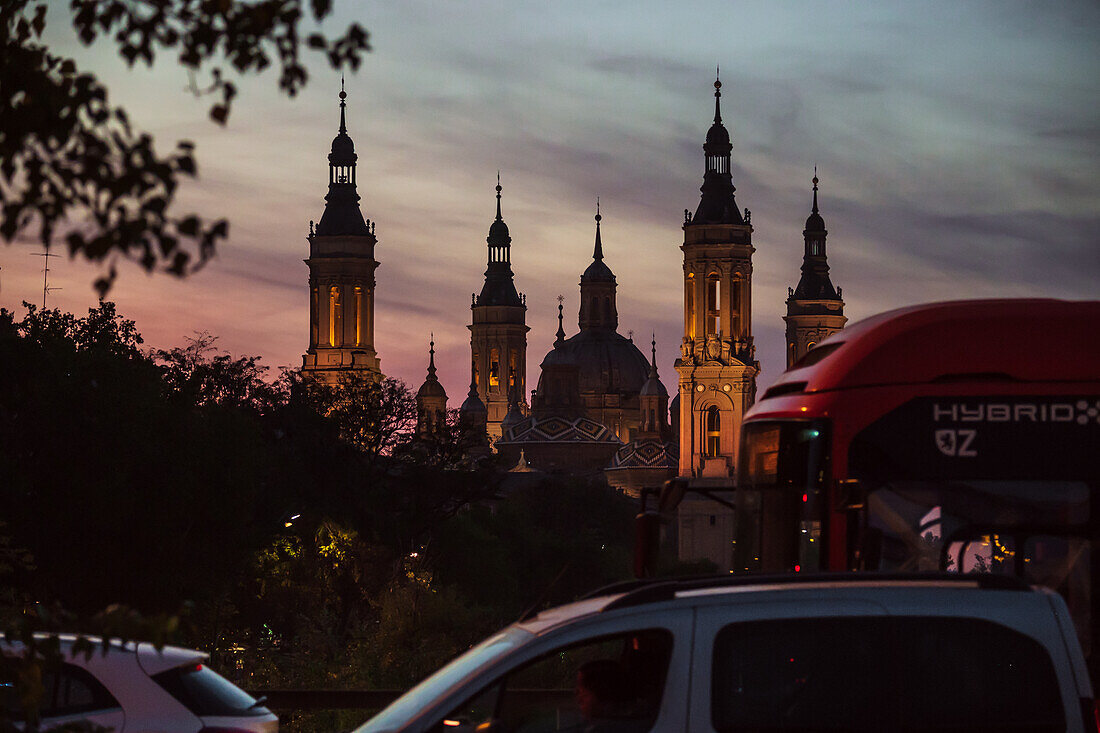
(341,274)
(498,332)
(814,308)
(717,367)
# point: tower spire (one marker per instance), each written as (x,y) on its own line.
(560,335)
(343,96)
(597,252)
(499,217)
(815,190)
(717,97)
(653,363)
(431,357)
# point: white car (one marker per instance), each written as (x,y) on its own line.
(134,688)
(857,652)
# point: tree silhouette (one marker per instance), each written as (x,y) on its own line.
(72,166)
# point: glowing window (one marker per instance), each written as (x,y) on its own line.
(494,368)
(714,432)
(358,315)
(512,357)
(714,316)
(335,317)
(313,317)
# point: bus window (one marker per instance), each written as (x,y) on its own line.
(779,502)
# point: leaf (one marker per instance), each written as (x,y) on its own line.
(218,113)
(189,226)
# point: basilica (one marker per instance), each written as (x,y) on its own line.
(599,405)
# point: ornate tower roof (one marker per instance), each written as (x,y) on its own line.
(717,204)
(653,385)
(342,215)
(598,310)
(499,288)
(815,283)
(431,387)
(598,271)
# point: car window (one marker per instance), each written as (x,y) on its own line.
(205,692)
(71,690)
(876,673)
(612,683)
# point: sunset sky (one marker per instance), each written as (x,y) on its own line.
(958,147)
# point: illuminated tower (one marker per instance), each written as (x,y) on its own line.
(341,274)
(717,366)
(814,308)
(431,398)
(498,333)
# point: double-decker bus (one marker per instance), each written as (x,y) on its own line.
(958,436)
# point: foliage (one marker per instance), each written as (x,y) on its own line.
(321,540)
(71,161)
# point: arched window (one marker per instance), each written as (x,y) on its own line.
(512,358)
(811,345)
(477,373)
(358,315)
(494,368)
(714,432)
(689,302)
(335,317)
(314,316)
(735,308)
(714,313)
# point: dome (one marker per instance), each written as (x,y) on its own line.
(814,223)
(717,135)
(473,404)
(431,388)
(558,358)
(512,419)
(343,150)
(498,232)
(653,386)
(606,361)
(598,272)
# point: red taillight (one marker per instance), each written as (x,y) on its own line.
(1090,710)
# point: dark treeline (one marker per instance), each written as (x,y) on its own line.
(310,537)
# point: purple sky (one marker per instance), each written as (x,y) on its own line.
(958,146)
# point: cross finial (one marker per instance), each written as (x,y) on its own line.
(499,217)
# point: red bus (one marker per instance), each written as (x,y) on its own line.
(957,436)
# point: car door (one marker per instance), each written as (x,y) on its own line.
(798,663)
(72,694)
(534,689)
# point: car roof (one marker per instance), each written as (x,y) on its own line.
(151,659)
(690,590)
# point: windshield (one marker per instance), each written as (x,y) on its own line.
(985,526)
(424,695)
(783,469)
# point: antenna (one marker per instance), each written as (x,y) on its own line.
(46,289)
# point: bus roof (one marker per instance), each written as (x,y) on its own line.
(1023,340)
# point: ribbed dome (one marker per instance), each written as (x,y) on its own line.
(653,386)
(343,150)
(717,135)
(431,388)
(607,362)
(814,223)
(558,357)
(473,404)
(498,232)
(598,272)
